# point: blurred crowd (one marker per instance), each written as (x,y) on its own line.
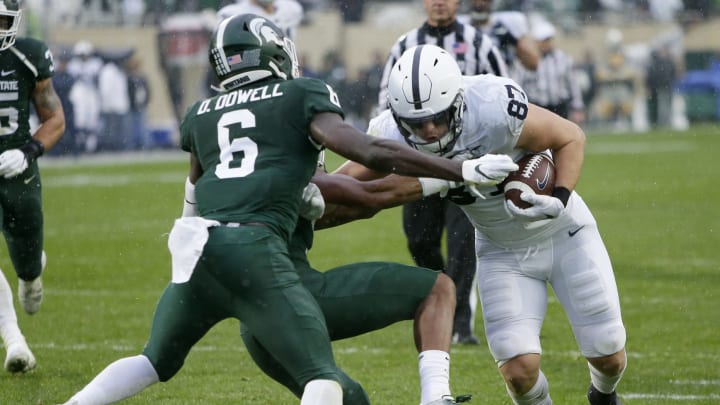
(137,12)
(105,96)
(621,86)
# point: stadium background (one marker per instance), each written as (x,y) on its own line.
(107,219)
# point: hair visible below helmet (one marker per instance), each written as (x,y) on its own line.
(246,48)
(9,11)
(425,84)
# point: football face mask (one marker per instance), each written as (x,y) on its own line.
(10,15)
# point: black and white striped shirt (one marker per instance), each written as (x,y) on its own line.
(474,51)
(553,83)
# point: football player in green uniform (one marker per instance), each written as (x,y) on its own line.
(363,297)
(253,150)
(26,68)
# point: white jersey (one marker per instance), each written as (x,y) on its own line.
(288,13)
(495,111)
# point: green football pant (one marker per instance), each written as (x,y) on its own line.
(355,299)
(22,221)
(243,273)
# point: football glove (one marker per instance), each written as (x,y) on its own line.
(12,163)
(432,186)
(543,207)
(312,204)
(15,161)
(487,170)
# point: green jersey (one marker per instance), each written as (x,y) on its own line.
(256,139)
(21,67)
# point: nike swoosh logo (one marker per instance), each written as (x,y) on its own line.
(29,179)
(542,183)
(572,233)
(6,72)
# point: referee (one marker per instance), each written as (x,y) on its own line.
(424,220)
(553,86)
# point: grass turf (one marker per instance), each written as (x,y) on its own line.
(106,232)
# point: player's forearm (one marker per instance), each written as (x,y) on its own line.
(393,190)
(49,110)
(341,214)
(569,159)
(395,157)
(528,53)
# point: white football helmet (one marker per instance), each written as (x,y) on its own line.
(10,14)
(425,84)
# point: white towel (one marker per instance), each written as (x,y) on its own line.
(186,242)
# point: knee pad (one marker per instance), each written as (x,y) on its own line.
(602,339)
(504,345)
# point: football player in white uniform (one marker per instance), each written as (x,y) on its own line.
(519,251)
(286,14)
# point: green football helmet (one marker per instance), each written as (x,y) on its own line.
(10,14)
(246,48)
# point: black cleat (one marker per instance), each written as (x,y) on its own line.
(598,398)
(448,400)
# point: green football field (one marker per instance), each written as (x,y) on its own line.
(655,197)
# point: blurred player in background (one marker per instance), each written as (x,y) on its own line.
(519,251)
(286,14)
(425,220)
(510,32)
(26,69)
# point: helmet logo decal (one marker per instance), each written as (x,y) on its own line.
(262,31)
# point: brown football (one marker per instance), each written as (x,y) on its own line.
(536,174)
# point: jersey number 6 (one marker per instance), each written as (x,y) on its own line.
(246,146)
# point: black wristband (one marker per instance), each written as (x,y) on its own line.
(562,194)
(32,150)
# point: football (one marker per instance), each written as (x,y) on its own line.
(536,174)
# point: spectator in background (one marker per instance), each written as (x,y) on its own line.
(351,10)
(617,85)
(306,69)
(84,66)
(553,85)
(586,76)
(114,107)
(133,12)
(139,96)
(660,79)
(63,82)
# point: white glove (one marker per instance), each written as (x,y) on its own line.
(12,163)
(190,203)
(543,207)
(312,205)
(487,170)
(432,186)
